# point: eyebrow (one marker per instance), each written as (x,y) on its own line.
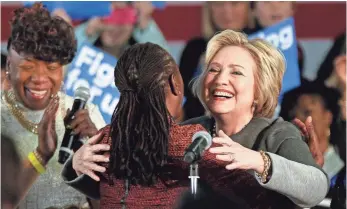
(235,65)
(27,59)
(230,66)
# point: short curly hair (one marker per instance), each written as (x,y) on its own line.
(35,32)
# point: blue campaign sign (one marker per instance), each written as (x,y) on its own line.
(78,10)
(94,69)
(159,4)
(282,36)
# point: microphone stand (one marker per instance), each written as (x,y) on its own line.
(194,175)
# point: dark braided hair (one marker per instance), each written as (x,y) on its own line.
(34,32)
(140,124)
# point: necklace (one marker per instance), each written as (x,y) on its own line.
(18,113)
(214,130)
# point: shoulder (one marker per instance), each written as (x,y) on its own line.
(204,121)
(106,132)
(278,132)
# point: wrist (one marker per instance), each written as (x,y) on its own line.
(260,165)
(44,158)
(264,174)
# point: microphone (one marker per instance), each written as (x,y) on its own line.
(70,139)
(202,140)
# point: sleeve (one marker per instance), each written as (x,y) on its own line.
(96,117)
(82,183)
(151,34)
(81,36)
(294,171)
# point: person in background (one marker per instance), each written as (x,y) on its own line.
(217,16)
(268,13)
(321,103)
(339,191)
(38,48)
(128,23)
(326,69)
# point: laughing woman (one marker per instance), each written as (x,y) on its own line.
(266,161)
(39,47)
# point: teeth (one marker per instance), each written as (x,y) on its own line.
(41,93)
(223,94)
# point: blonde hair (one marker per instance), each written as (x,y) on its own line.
(268,76)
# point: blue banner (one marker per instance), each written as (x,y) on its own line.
(94,69)
(282,36)
(78,10)
(81,10)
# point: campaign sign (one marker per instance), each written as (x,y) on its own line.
(78,10)
(94,69)
(282,36)
(81,10)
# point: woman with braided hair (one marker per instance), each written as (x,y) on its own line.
(144,167)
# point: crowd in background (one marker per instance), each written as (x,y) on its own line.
(324,98)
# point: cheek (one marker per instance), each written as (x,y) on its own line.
(57,80)
(207,83)
(126,33)
(18,77)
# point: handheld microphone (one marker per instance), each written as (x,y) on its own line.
(202,140)
(70,139)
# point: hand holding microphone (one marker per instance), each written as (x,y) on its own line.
(77,125)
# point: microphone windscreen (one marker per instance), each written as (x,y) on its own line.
(82,93)
(205,135)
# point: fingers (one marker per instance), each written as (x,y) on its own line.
(50,112)
(81,116)
(96,139)
(99,147)
(222,134)
(227,158)
(92,175)
(95,167)
(233,166)
(81,127)
(310,128)
(301,126)
(223,141)
(220,150)
(100,158)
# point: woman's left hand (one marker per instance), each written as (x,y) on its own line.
(238,156)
